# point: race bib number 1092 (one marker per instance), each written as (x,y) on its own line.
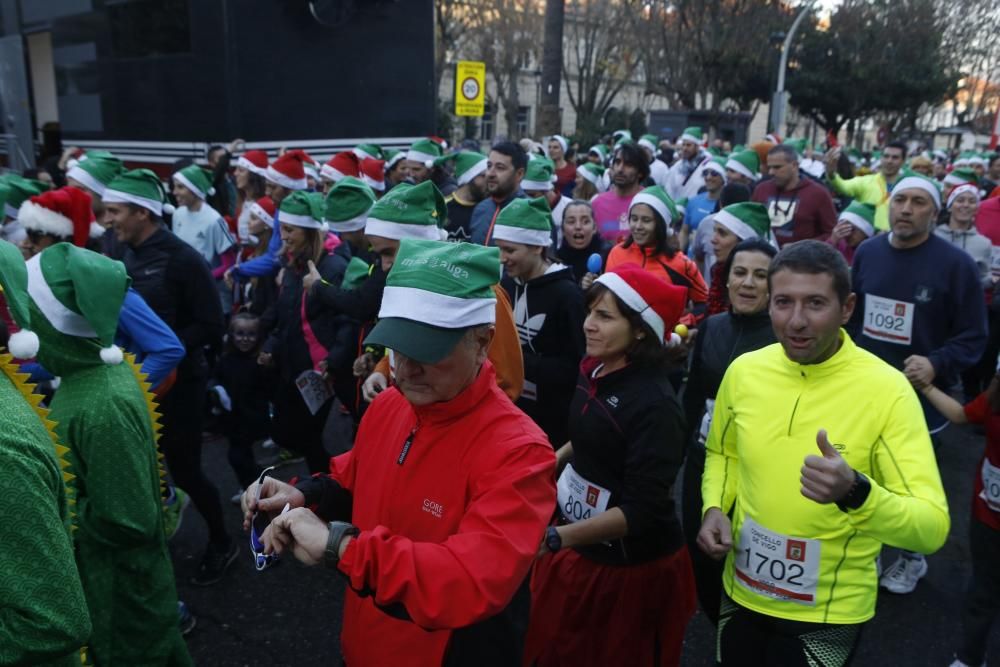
(888,319)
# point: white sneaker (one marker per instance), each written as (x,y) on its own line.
(902,576)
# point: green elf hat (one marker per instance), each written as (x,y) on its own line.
(748,220)
(717,165)
(393,157)
(14,281)
(737,148)
(527,221)
(424,151)
(357,272)
(347,205)
(920,182)
(961,177)
(300,210)
(408,212)
(649,141)
(140,187)
(746,163)
(621,135)
(196,179)
(95,170)
(600,150)
(798,145)
(860,215)
(693,134)
(468,165)
(433,294)
(539,174)
(657,199)
(373,151)
(591,172)
(15,190)
(79,293)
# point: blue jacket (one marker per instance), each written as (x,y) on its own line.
(267,264)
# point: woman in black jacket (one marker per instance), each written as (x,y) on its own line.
(548,313)
(613,582)
(306,340)
(721,338)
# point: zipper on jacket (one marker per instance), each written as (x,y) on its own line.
(406,446)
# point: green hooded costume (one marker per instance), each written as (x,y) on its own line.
(43,614)
(107,417)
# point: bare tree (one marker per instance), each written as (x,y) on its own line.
(599,58)
(970,38)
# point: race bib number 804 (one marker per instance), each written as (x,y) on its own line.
(579,498)
(775,565)
(888,319)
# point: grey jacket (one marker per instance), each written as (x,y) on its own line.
(978,246)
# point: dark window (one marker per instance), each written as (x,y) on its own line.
(142,28)
(486,123)
(522,121)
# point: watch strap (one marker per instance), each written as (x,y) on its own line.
(857,495)
(338,531)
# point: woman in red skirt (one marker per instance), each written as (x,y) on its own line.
(613,582)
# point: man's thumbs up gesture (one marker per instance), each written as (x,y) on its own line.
(826,478)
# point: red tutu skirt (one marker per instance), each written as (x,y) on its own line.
(585,613)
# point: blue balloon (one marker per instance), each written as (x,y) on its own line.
(594,263)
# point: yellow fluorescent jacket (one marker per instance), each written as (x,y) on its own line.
(767,413)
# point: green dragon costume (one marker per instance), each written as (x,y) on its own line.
(43,614)
(106,416)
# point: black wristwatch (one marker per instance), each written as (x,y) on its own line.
(857,495)
(338,531)
(552,540)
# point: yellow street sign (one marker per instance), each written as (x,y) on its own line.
(470,88)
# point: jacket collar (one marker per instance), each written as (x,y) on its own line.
(463,404)
(840,360)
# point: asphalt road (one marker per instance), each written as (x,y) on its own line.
(291,615)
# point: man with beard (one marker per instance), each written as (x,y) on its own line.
(504,172)
(629,170)
(685,178)
(470,175)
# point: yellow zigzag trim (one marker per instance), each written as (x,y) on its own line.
(154,414)
(27,390)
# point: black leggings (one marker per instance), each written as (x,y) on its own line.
(296,429)
(182,410)
(749,639)
(982,600)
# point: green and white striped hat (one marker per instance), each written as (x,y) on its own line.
(197,180)
(593,173)
(468,165)
(408,212)
(140,187)
(860,215)
(300,210)
(15,190)
(600,150)
(539,174)
(527,221)
(649,141)
(374,151)
(433,294)
(748,220)
(347,205)
(657,199)
(424,151)
(95,170)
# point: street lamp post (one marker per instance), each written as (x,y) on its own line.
(779,101)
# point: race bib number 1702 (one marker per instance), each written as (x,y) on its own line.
(776,565)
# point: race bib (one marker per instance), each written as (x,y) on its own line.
(991,485)
(775,565)
(888,319)
(580,498)
(706,420)
(995,261)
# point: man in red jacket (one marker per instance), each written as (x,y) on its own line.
(448,489)
(799,207)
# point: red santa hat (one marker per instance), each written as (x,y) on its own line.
(341,165)
(264,209)
(659,304)
(253,161)
(287,171)
(373,173)
(64,213)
